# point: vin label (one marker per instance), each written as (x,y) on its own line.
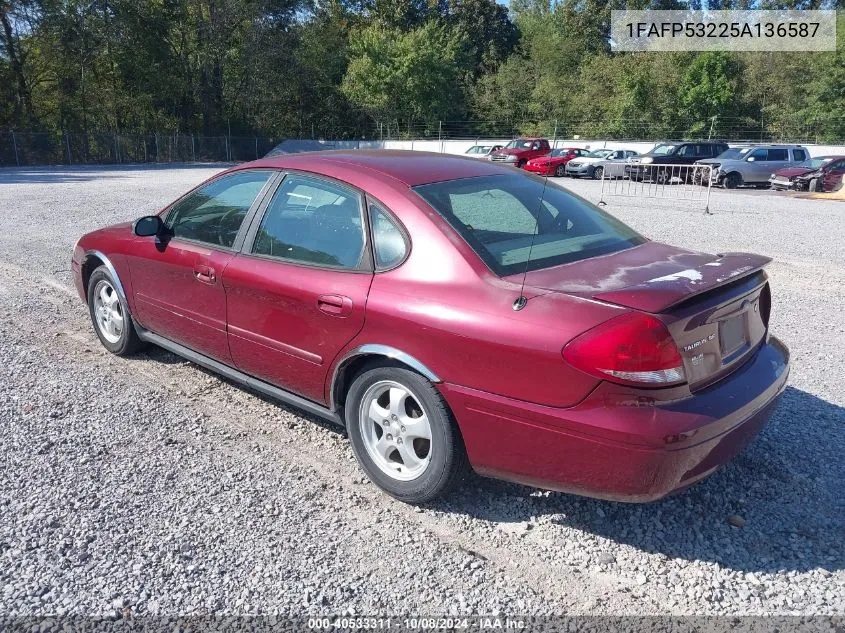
(781,30)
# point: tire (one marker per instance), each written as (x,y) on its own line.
(662,177)
(598,173)
(560,171)
(520,164)
(414,470)
(814,185)
(732,180)
(110,315)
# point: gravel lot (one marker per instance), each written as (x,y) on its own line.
(148,486)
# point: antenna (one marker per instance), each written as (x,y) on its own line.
(521,301)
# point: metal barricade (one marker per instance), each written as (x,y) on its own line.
(687,183)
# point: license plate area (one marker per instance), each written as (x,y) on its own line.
(733,336)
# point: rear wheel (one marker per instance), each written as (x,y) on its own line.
(662,177)
(110,315)
(598,173)
(403,434)
(732,180)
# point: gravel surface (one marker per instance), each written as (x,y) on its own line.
(148,486)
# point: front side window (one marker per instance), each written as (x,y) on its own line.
(778,154)
(799,155)
(388,242)
(760,154)
(213,214)
(500,217)
(312,221)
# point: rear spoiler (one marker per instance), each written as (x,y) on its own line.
(661,293)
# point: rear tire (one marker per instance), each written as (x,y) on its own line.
(732,180)
(389,412)
(110,315)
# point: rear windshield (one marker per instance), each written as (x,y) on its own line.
(499,215)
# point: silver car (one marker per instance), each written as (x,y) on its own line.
(753,165)
(601,163)
(481,151)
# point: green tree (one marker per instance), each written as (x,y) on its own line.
(405,76)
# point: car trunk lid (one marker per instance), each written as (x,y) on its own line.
(716,307)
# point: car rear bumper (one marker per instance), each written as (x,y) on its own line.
(616,445)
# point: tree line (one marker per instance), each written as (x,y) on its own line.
(365,68)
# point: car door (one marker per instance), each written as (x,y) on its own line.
(176,279)
(297,291)
(833,175)
(756,166)
(778,158)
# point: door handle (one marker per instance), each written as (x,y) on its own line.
(205,274)
(334,305)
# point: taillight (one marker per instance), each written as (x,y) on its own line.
(634,348)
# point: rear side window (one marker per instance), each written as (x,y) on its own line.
(315,222)
(500,216)
(388,242)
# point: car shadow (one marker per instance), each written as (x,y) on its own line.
(785,488)
(160,355)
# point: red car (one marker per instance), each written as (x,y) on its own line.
(554,164)
(430,305)
(520,150)
(823,173)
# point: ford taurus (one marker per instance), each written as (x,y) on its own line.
(451,313)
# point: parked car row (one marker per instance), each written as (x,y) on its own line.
(777,166)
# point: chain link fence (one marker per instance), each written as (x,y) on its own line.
(24,148)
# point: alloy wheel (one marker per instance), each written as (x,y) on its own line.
(108,312)
(396,430)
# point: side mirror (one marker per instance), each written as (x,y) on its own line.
(148,226)
(750,159)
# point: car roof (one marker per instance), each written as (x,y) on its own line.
(777,146)
(410,168)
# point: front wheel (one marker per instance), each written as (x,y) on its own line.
(814,185)
(732,180)
(403,434)
(598,173)
(560,171)
(110,315)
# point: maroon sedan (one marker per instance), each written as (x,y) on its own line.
(433,307)
(823,173)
